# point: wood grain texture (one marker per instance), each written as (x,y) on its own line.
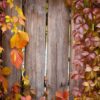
(57,46)
(16,74)
(35,51)
(71,84)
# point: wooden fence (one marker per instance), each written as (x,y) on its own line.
(39,20)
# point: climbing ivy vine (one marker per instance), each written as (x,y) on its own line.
(18,42)
(86,45)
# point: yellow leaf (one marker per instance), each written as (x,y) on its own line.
(10,2)
(76,98)
(86,84)
(19,40)
(20,12)
(8,19)
(6,71)
(1,49)
(17,96)
(26,80)
(14,29)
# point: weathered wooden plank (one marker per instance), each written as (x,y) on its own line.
(35,51)
(16,74)
(57,46)
(71,83)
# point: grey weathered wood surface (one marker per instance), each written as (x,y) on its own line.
(71,83)
(16,74)
(58,19)
(35,51)
(57,68)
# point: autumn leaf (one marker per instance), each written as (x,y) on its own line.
(15,19)
(16,88)
(26,80)
(1,49)
(6,27)
(21,21)
(20,12)
(28,97)
(17,96)
(59,94)
(19,40)
(85,84)
(18,20)
(65,94)
(4,82)
(88,68)
(10,2)
(16,57)
(7,19)
(62,95)
(6,71)
(68,3)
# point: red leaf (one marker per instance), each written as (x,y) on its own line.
(59,94)
(16,58)
(62,95)
(65,94)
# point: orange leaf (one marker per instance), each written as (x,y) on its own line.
(4,28)
(28,97)
(19,40)
(16,88)
(62,95)
(16,58)
(4,83)
(1,49)
(65,94)
(59,95)
(21,21)
(15,19)
(6,71)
